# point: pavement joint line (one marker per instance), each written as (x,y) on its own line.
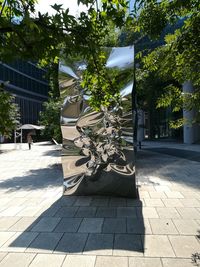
(180,183)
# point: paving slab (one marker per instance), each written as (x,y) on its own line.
(24,224)
(138,226)
(189,213)
(144,194)
(190,202)
(190,194)
(100,201)
(158,195)
(83,201)
(17,260)
(48,211)
(91,225)
(117,202)
(70,225)
(79,261)
(29,211)
(67,201)
(2,255)
(174,194)
(187,227)
(135,202)
(86,212)
(184,246)
(146,188)
(128,245)
(11,211)
(99,244)
(66,212)
(46,224)
(72,243)
(172,203)
(126,212)
(147,212)
(114,225)
(7,222)
(168,213)
(157,246)
(106,212)
(177,263)
(19,242)
(154,202)
(107,261)
(49,260)
(5,236)
(17,201)
(44,243)
(163,227)
(144,262)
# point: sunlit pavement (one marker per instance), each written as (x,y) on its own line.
(39,227)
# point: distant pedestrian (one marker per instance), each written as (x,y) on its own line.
(29,141)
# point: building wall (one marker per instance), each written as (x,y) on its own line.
(28,84)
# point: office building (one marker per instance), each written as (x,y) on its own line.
(28,83)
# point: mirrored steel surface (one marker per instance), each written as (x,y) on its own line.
(97,155)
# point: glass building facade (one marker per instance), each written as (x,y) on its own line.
(28,83)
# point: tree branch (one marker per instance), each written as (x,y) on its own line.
(3,6)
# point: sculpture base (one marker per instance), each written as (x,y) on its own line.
(107,186)
(114,180)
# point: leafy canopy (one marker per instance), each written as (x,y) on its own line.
(25,34)
(9,113)
(178,59)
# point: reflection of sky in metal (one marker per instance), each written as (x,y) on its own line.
(127,89)
(67,70)
(121,57)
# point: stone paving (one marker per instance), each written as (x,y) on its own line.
(40,227)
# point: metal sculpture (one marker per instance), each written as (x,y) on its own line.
(97,154)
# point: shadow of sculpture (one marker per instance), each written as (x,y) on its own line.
(106,226)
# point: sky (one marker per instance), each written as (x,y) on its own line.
(45,6)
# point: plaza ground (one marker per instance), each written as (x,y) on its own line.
(40,227)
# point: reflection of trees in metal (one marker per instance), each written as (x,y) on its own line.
(97,151)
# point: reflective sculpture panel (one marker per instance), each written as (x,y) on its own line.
(97,154)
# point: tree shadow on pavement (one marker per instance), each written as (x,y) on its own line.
(161,169)
(51,153)
(34,179)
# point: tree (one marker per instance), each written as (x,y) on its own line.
(43,37)
(178,60)
(50,118)
(9,113)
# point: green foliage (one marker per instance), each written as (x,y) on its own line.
(97,82)
(152,19)
(9,113)
(172,97)
(175,124)
(50,118)
(178,60)
(42,37)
